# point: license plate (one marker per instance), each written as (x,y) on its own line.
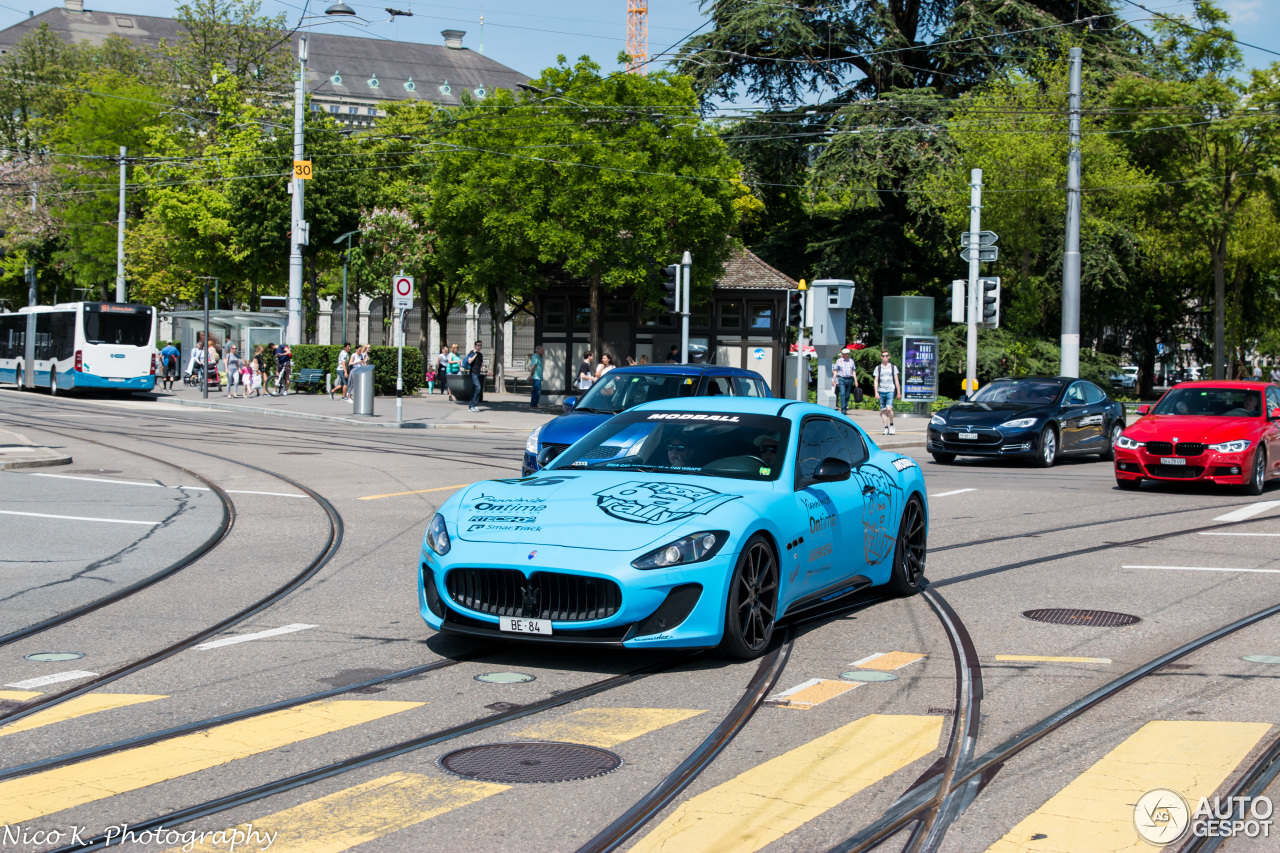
(1173,460)
(969,435)
(525,626)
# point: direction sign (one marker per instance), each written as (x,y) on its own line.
(402,293)
(985,238)
(986,254)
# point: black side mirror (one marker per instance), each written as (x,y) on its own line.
(547,455)
(832,470)
(569,403)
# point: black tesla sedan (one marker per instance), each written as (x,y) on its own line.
(1037,416)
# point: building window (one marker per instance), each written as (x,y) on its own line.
(334,108)
(336,79)
(617,310)
(700,316)
(761,316)
(373,82)
(581,315)
(730,315)
(445,89)
(373,111)
(554,311)
(655,317)
(355,111)
(315,108)
(409,85)
(479,92)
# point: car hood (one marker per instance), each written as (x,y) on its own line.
(990,414)
(1192,428)
(608,511)
(569,427)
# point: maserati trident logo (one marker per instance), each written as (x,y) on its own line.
(529,597)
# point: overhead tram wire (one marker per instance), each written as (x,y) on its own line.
(1185,24)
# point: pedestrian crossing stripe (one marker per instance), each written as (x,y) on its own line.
(606,727)
(78,706)
(888,661)
(811,693)
(18,695)
(1096,810)
(767,802)
(40,794)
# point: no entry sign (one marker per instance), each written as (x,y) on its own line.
(402,293)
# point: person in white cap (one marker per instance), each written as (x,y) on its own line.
(844,373)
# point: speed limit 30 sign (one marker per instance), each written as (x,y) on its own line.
(402,293)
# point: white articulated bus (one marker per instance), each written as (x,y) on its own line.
(80,345)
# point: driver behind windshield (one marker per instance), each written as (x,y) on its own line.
(679,453)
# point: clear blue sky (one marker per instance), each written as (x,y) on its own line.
(528,36)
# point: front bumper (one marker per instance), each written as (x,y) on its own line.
(529,465)
(1210,466)
(654,609)
(990,442)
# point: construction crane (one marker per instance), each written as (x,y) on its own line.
(638,35)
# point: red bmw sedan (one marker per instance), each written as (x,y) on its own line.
(1218,432)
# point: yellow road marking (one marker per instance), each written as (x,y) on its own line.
(606,727)
(887,661)
(765,803)
(804,696)
(1043,659)
(1095,811)
(343,820)
(415,492)
(18,695)
(90,703)
(40,794)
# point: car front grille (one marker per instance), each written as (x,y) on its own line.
(543,595)
(1182,448)
(1160,448)
(986,435)
(1175,472)
(556,449)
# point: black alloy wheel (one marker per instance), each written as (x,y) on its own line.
(1048,448)
(1112,438)
(1258,481)
(943,458)
(752,610)
(907,577)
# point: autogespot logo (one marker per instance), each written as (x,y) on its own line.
(1161,816)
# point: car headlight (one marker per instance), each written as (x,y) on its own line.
(531,444)
(438,536)
(691,549)
(1020,423)
(1126,443)
(1231,446)
(938,420)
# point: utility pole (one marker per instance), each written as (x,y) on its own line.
(1071,257)
(975,297)
(297,233)
(120,297)
(204,356)
(686,264)
(345,257)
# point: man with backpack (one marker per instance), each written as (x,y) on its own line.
(888,388)
(170,357)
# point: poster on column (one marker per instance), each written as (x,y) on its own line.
(919,369)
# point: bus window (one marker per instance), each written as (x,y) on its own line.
(120,329)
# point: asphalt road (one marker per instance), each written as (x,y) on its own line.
(323,523)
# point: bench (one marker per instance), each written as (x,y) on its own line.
(308,376)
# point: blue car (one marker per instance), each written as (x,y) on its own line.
(679,524)
(625,387)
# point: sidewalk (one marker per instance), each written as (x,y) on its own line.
(17,451)
(499,411)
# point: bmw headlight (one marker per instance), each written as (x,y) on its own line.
(438,536)
(531,444)
(1020,423)
(1126,443)
(691,549)
(1236,446)
(938,420)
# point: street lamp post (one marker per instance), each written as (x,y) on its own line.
(345,256)
(297,233)
(204,356)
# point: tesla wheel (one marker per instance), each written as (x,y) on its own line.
(1258,479)
(752,610)
(1048,448)
(907,576)
(944,458)
(1128,485)
(1112,438)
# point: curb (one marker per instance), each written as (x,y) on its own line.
(35,462)
(307,416)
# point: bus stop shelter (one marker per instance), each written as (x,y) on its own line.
(246,329)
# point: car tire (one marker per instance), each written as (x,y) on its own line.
(22,379)
(944,458)
(752,609)
(1258,478)
(1128,485)
(907,575)
(1110,451)
(1047,448)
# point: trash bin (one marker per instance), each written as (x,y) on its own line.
(361,380)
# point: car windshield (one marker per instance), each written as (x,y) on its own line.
(1026,391)
(617,391)
(714,444)
(1211,402)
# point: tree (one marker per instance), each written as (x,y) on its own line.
(229,37)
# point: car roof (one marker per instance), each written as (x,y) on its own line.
(1036,378)
(1223,383)
(686,370)
(744,405)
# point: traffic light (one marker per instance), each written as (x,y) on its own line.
(959,311)
(670,277)
(795,308)
(990,307)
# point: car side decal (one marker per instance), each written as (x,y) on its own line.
(880,513)
(659,503)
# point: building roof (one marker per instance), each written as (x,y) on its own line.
(745,271)
(402,70)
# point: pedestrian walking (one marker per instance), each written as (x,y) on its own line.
(475,366)
(442,370)
(844,375)
(455,360)
(246,378)
(232,363)
(606,364)
(585,375)
(535,376)
(255,375)
(888,388)
(170,358)
(340,382)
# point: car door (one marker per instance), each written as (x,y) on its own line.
(1093,427)
(827,514)
(1272,431)
(1071,416)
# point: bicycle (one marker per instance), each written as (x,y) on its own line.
(281,384)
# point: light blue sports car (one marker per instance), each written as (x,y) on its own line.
(680,523)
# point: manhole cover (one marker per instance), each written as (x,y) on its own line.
(52,657)
(1093,618)
(300,453)
(1260,659)
(504,677)
(530,762)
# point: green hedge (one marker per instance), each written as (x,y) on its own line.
(383,359)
